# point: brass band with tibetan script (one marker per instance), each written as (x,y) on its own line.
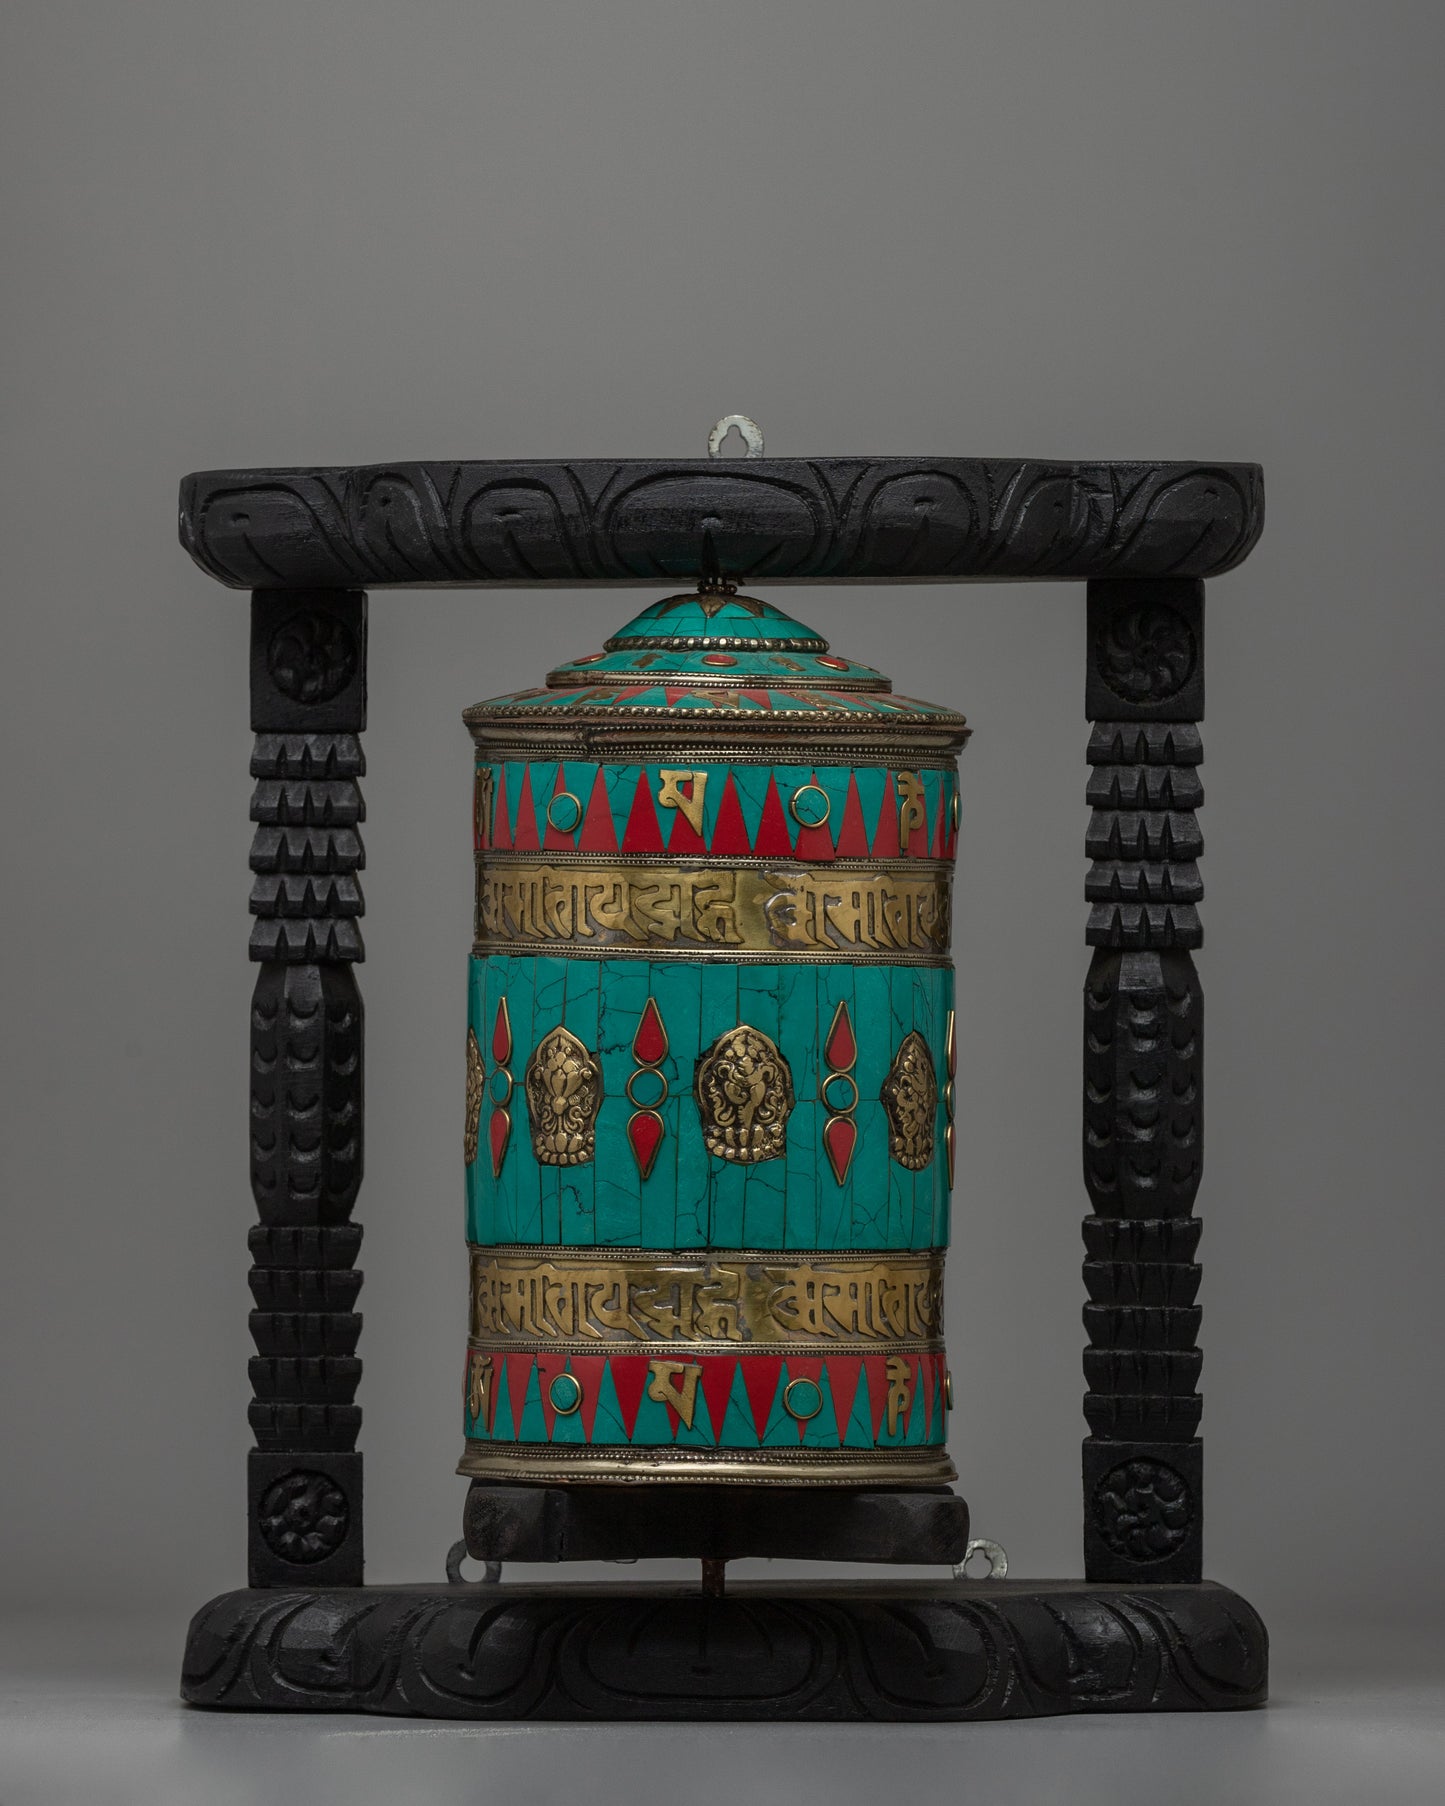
(828,912)
(559,1298)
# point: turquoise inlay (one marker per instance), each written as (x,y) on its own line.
(790,778)
(859,1434)
(617,1216)
(607,1425)
(718,1012)
(821,1432)
(751,782)
(940,1414)
(654,1425)
(621,782)
(712,796)
(533,1427)
(504,1429)
(515,773)
(764,1181)
(544,776)
(738,1430)
(869,1180)
(680,620)
(782,1426)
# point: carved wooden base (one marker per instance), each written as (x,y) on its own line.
(821,1650)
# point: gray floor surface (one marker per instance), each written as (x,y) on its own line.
(88,1714)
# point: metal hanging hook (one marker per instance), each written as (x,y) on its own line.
(994,1552)
(752,435)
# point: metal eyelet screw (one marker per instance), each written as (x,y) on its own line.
(994,1553)
(751,432)
(456,1555)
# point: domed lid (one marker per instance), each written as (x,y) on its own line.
(712,652)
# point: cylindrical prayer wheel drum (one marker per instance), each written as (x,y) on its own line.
(710,1056)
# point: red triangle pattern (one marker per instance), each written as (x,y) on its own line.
(940,828)
(519,1371)
(525,839)
(760,1376)
(852,834)
(918,835)
(599,833)
(877,1370)
(730,831)
(843,1378)
(501,814)
(716,1382)
(548,1367)
(628,1378)
(773,841)
(685,839)
(885,834)
(642,833)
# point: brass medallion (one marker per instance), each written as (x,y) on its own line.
(744,1090)
(910,1100)
(564,1094)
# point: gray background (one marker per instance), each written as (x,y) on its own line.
(290,232)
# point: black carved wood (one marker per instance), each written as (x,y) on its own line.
(899,1650)
(308,707)
(508,1522)
(1143,1083)
(773,520)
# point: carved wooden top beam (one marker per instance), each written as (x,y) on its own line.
(774,520)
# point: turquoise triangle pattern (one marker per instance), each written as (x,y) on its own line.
(700,1435)
(544,776)
(654,1425)
(752,788)
(607,1424)
(514,794)
(568,1428)
(621,782)
(940,1426)
(782,1430)
(712,796)
(738,1430)
(821,1432)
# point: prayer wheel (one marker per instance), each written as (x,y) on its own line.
(710,1063)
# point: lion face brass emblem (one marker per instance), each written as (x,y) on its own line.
(910,1100)
(744,1091)
(564,1093)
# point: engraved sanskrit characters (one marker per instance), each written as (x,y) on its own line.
(612,909)
(744,1091)
(564,1093)
(559,1298)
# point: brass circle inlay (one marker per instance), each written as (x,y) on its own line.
(647,1103)
(564,812)
(565,1393)
(502,1095)
(805,813)
(948,1391)
(803,1399)
(840,1078)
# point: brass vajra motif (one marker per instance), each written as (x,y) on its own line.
(744,1090)
(910,1099)
(734,1299)
(564,1093)
(475,1082)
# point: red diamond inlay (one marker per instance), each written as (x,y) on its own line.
(644,1134)
(499,1131)
(840,1050)
(649,1044)
(840,1137)
(502,1035)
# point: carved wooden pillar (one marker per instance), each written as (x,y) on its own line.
(1143,1083)
(308,706)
